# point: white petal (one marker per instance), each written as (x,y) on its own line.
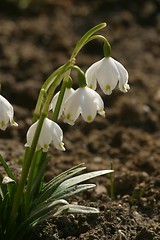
(91,102)
(57,136)
(88,108)
(123,77)
(30,134)
(68,92)
(7,180)
(50,132)
(99,103)
(6,113)
(107,75)
(91,75)
(72,108)
(53,102)
(45,137)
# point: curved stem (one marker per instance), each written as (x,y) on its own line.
(107,46)
(52,78)
(81,76)
(85,38)
(47,84)
(61,95)
(39,105)
(59,102)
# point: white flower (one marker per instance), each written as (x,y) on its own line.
(107,72)
(50,132)
(6,114)
(7,180)
(84,101)
(67,93)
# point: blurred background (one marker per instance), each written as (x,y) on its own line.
(36,37)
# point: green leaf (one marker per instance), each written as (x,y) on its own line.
(7,169)
(2,188)
(50,187)
(72,191)
(38,181)
(78,179)
(63,186)
(73,208)
(5,210)
(44,210)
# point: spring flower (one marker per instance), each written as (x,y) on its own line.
(67,93)
(6,114)
(84,101)
(50,132)
(107,72)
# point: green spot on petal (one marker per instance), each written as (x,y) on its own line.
(3,124)
(91,86)
(108,88)
(45,146)
(68,116)
(89,118)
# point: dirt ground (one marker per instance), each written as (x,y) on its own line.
(36,41)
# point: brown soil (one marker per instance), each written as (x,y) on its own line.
(36,41)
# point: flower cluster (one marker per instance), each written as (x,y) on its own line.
(26,201)
(85,101)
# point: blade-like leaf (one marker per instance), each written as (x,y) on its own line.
(78,179)
(39,178)
(7,169)
(72,191)
(65,175)
(72,208)
(3,189)
(45,208)
(68,208)
(50,187)
(41,214)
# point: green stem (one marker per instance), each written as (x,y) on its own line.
(50,80)
(39,105)
(59,102)
(30,180)
(53,76)
(85,38)
(47,84)
(81,76)
(111,183)
(61,96)
(29,153)
(106,47)
(31,159)
(39,173)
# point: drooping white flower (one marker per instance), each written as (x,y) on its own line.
(84,101)
(50,132)
(107,72)
(67,93)
(6,113)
